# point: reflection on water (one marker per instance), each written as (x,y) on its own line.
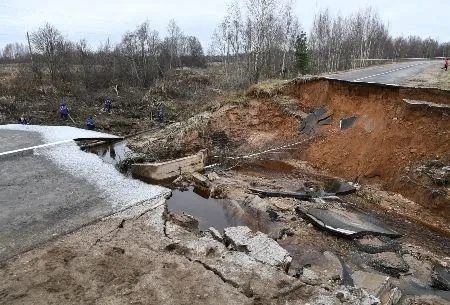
(217,213)
(111,153)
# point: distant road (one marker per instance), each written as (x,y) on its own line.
(396,74)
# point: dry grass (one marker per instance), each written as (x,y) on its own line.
(267,88)
(444,80)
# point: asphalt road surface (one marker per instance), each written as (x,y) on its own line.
(41,198)
(395,74)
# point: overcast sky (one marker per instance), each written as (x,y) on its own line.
(96,20)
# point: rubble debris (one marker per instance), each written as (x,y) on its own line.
(184,220)
(215,234)
(335,187)
(274,193)
(200,180)
(325,267)
(290,106)
(285,232)
(378,285)
(283,205)
(170,169)
(257,203)
(347,122)
(441,278)
(258,246)
(274,215)
(374,244)
(374,283)
(345,295)
(420,268)
(315,119)
(345,223)
(213,176)
(425,300)
(393,297)
(389,263)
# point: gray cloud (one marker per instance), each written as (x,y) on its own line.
(96,20)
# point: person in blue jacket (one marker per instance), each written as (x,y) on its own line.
(64,111)
(90,124)
(107,105)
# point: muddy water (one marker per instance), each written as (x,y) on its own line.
(217,213)
(111,153)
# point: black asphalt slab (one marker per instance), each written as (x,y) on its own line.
(346,223)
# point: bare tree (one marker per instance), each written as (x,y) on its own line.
(174,43)
(48,41)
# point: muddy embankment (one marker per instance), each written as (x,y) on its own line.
(392,146)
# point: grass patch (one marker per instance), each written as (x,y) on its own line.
(267,88)
(444,80)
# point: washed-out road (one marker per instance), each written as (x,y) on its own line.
(49,192)
(392,74)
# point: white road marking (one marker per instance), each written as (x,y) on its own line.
(16,151)
(387,72)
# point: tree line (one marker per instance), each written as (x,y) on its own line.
(263,38)
(141,57)
(256,39)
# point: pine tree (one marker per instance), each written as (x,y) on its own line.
(302,53)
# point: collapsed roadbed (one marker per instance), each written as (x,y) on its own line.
(286,158)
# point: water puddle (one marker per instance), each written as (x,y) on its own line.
(210,212)
(217,213)
(111,153)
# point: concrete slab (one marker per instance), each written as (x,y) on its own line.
(170,169)
(258,246)
(424,104)
(346,223)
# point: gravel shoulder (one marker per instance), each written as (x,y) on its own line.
(432,77)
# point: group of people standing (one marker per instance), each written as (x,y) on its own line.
(90,123)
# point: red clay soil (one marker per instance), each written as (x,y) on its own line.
(255,125)
(388,142)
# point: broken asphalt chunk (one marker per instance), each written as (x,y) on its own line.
(275,193)
(389,262)
(345,223)
(316,118)
(258,246)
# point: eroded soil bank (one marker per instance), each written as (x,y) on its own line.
(392,146)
